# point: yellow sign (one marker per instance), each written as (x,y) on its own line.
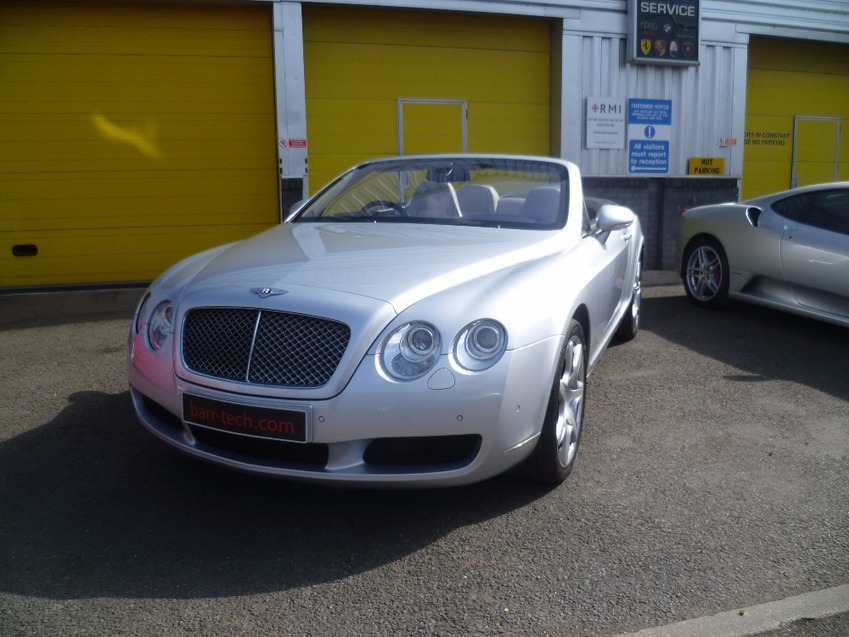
(706,166)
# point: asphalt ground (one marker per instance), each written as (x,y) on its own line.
(711,489)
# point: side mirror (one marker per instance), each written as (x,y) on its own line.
(612,217)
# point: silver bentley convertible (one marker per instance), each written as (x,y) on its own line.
(421,321)
(788,250)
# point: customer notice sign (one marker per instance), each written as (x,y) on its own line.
(649,126)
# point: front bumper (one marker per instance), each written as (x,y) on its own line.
(448,428)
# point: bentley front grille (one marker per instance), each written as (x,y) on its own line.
(263,347)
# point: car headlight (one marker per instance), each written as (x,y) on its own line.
(480,345)
(161,325)
(410,351)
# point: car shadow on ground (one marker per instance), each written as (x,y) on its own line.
(762,344)
(95,506)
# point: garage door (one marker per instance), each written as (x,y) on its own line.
(796,115)
(378,78)
(130,136)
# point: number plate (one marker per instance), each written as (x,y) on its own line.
(247,420)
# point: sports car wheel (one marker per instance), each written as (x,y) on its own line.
(557,448)
(630,323)
(706,273)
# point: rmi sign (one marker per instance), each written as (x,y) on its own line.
(605,123)
(665,32)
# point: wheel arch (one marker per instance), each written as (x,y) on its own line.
(582,315)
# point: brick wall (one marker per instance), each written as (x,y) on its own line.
(659,203)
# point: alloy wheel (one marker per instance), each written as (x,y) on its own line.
(704,273)
(571,403)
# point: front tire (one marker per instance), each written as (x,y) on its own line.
(557,448)
(706,272)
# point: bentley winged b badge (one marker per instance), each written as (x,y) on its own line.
(264,293)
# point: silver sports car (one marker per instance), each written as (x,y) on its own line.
(421,321)
(788,250)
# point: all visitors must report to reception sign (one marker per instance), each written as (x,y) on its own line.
(649,125)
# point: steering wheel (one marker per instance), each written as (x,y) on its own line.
(383,207)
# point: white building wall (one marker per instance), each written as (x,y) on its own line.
(708,100)
(290,94)
(821,20)
(824,20)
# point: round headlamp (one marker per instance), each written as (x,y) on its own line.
(410,351)
(480,345)
(161,324)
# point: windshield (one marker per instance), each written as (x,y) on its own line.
(498,192)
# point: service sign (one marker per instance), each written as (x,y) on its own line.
(664,31)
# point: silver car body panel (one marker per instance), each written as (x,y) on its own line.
(776,261)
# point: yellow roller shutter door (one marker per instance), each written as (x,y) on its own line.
(131,136)
(796,115)
(361,62)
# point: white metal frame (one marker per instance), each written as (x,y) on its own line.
(290,91)
(794,176)
(464,114)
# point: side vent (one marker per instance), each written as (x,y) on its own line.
(752,214)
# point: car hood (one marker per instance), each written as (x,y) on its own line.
(398,264)
(362,274)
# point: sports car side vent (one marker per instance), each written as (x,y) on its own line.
(262,347)
(752,214)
